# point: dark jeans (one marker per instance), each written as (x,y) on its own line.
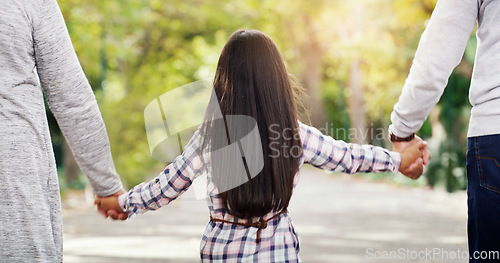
(483,190)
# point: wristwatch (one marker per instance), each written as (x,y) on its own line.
(395,138)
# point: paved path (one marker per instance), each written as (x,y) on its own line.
(338,219)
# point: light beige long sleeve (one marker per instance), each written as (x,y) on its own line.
(33,35)
(440,50)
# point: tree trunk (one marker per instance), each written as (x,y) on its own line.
(310,77)
(357,114)
(358,132)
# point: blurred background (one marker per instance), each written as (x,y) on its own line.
(351,57)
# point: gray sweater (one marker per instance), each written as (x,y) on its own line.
(33,36)
(440,50)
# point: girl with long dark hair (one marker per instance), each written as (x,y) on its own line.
(257,123)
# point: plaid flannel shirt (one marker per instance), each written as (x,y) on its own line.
(233,243)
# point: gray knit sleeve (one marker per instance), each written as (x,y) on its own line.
(439,51)
(71,99)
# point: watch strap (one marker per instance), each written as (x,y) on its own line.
(395,138)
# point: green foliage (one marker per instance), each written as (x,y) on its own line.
(336,108)
(133,51)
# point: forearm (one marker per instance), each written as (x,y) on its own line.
(83,127)
(171,183)
(440,50)
(141,198)
(88,140)
(71,99)
(324,152)
(154,194)
(369,158)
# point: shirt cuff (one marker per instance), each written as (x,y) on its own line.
(398,132)
(109,191)
(122,201)
(396,161)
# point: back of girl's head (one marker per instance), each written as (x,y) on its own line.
(252,80)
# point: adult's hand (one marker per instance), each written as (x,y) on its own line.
(415,170)
(115,215)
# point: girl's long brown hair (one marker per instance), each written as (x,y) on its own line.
(251,80)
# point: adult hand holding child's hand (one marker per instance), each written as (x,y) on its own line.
(108,206)
(414,155)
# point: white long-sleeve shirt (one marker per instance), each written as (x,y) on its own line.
(440,50)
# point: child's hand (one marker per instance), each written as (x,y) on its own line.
(108,203)
(412,155)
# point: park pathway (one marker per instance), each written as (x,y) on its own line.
(339,218)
